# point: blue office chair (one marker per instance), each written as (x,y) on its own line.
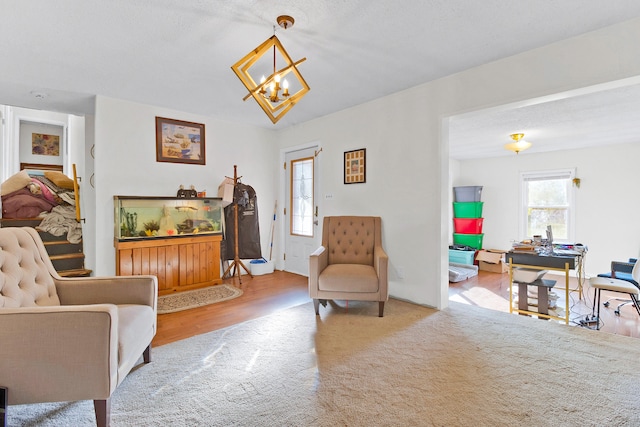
(622,271)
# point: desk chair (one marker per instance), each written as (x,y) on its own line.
(616,285)
(620,270)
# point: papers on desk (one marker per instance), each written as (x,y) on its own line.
(524,247)
(566,252)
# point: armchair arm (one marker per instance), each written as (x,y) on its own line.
(112,290)
(318,261)
(59,353)
(381,265)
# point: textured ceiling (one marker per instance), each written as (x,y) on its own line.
(178,54)
(603,116)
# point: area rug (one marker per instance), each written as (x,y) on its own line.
(462,366)
(179,301)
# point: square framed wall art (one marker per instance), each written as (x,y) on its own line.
(355,167)
(178,141)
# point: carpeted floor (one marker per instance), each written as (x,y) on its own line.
(462,366)
(196,298)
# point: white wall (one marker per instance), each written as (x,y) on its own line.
(17,148)
(125,164)
(405,134)
(605,201)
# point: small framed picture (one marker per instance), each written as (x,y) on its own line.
(355,170)
(178,141)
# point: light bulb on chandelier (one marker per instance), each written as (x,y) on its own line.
(274,88)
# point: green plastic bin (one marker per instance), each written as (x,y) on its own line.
(473,240)
(467,209)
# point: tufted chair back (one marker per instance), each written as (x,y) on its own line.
(25,270)
(350,239)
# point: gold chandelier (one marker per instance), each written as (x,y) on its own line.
(273,92)
(519,144)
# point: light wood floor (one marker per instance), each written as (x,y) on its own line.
(269,293)
(491,290)
(262,295)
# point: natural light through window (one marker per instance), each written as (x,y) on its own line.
(547,200)
(302,197)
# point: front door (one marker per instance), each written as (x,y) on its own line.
(301,209)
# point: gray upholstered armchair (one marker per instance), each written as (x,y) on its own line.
(350,264)
(68,339)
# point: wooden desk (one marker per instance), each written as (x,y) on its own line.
(555,262)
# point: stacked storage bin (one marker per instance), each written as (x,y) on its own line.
(467,212)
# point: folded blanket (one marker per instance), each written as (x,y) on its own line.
(24,204)
(62,219)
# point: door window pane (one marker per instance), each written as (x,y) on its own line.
(302,197)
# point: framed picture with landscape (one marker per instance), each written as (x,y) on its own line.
(178,141)
(355,171)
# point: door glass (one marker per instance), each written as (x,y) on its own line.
(302,197)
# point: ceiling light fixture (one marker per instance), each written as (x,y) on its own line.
(519,144)
(275,94)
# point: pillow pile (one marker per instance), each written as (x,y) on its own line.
(59,179)
(16,182)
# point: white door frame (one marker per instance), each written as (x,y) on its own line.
(284,182)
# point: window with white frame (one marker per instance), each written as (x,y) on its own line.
(547,199)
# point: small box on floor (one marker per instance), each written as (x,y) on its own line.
(492,260)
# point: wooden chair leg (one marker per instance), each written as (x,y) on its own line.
(103,412)
(146,355)
(380,308)
(316,305)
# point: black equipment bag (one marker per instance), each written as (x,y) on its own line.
(248,225)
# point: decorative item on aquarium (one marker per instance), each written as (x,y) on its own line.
(130,224)
(186,208)
(185,227)
(204,226)
(167,225)
(151,228)
(187,194)
(152,225)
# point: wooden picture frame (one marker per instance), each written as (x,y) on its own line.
(178,141)
(355,167)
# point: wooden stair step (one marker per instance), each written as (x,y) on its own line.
(59,242)
(66,256)
(21,222)
(62,247)
(80,272)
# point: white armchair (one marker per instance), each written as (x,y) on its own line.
(68,339)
